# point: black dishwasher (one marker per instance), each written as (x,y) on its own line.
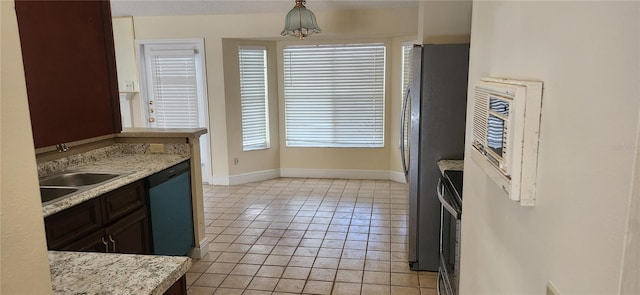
(170,210)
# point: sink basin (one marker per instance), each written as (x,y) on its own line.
(69,183)
(77,179)
(51,193)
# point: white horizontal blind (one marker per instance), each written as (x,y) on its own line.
(334,95)
(174,89)
(253,93)
(407,72)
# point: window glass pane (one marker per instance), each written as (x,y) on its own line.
(334,95)
(253,93)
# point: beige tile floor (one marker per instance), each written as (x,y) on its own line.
(307,236)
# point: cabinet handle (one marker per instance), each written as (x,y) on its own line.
(106,245)
(114,243)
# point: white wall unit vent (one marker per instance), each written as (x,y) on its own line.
(506,126)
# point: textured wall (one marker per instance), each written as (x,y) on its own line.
(587,55)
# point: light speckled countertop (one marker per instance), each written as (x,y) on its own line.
(138,165)
(108,273)
(450,165)
(162,132)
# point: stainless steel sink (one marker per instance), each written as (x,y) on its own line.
(51,193)
(77,179)
(69,183)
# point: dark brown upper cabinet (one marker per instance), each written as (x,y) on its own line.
(70,69)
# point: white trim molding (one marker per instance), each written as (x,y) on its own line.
(397,177)
(254,176)
(201,250)
(335,173)
(219,180)
(246,177)
(308,173)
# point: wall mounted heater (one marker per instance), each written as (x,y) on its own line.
(506,126)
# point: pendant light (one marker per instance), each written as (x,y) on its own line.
(300,21)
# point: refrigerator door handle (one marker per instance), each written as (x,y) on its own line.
(403,120)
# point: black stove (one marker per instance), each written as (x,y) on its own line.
(450,195)
(454,177)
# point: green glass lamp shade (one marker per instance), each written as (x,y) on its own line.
(300,22)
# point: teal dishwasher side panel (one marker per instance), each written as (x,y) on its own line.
(171,216)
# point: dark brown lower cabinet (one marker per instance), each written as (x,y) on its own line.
(78,221)
(94,242)
(178,288)
(116,222)
(131,234)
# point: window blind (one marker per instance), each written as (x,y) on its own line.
(334,95)
(407,72)
(174,86)
(253,94)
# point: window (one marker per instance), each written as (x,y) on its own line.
(407,72)
(334,95)
(253,96)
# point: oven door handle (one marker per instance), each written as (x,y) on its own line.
(442,280)
(438,283)
(444,203)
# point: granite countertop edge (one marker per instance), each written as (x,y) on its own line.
(162,132)
(138,166)
(457,165)
(97,273)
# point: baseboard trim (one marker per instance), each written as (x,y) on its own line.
(308,173)
(397,177)
(220,180)
(201,250)
(335,173)
(254,176)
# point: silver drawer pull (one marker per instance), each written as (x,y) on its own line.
(106,245)
(114,243)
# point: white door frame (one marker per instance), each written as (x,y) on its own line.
(197,44)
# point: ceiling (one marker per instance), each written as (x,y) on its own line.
(208,7)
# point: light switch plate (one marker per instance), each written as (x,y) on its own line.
(551,289)
(156,148)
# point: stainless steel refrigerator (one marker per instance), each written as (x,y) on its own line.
(437,101)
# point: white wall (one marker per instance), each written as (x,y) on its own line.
(24,266)
(444,21)
(127,67)
(123,39)
(587,55)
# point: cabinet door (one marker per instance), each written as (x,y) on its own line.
(130,234)
(94,242)
(122,201)
(178,288)
(69,225)
(70,70)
